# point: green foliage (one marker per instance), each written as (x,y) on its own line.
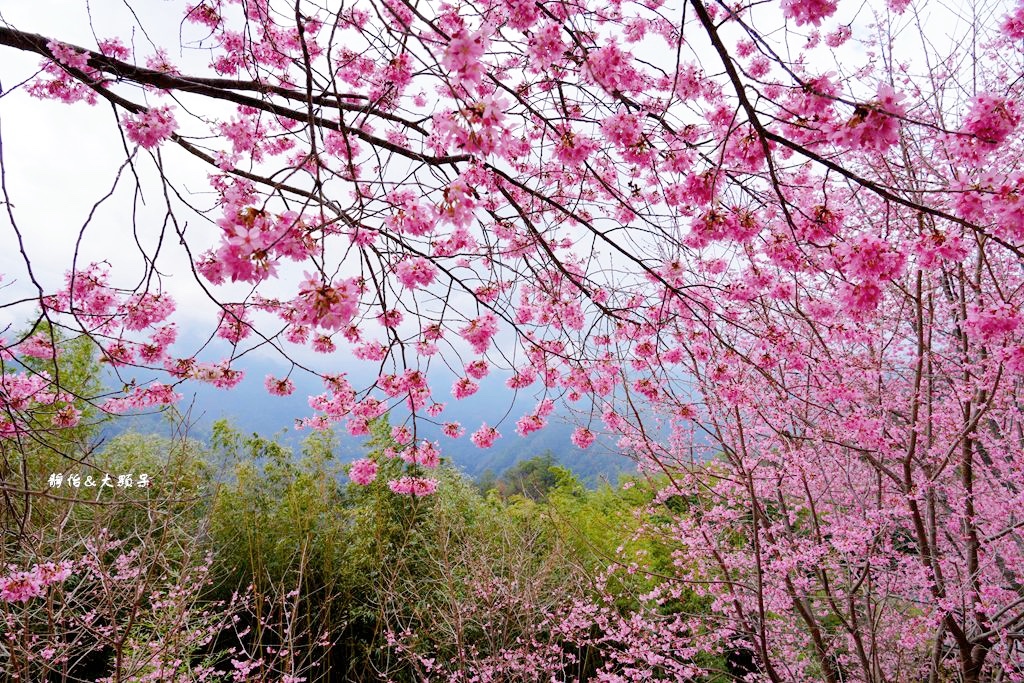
(356,582)
(355,579)
(531,478)
(463,572)
(26,462)
(181,484)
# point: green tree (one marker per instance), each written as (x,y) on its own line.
(531,478)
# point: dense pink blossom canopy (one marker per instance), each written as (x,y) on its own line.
(757,247)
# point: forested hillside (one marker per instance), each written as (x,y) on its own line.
(246,559)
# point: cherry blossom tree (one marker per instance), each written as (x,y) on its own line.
(772,250)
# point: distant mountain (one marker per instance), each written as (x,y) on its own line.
(252,409)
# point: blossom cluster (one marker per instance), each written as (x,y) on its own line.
(413,486)
(22,586)
(150,127)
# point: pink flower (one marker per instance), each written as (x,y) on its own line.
(546,47)
(68,416)
(622,129)
(612,69)
(358,426)
(371,351)
(154,395)
(453,430)
(860,299)
(994,323)
(150,127)
(1013,24)
(523,378)
(413,486)
(485,436)
(401,434)
(839,36)
(425,454)
(464,387)
(991,119)
(479,331)
(875,125)
(415,272)
(145,309)
(583,437)
(528,424)
(20,587)
(203,14)
(478,369)
(331,306)
(464,55)
(392,318)
(279,387)
(363,471)
(573,149)
(545,407)
(522,14)
(68,56)
(51,573)
(808,11)
(323,344)
(870,258)
(233,324)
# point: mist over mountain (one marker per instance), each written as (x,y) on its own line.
(251,408)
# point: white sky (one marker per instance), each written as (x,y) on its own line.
(61,159)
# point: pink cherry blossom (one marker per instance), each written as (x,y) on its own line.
(464,388)
(453,430)
(415,272)
(363,471)
(583,437)
(279,387)
(413,486)
(480,331)
(808,11)
(485,436)
(150,127)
